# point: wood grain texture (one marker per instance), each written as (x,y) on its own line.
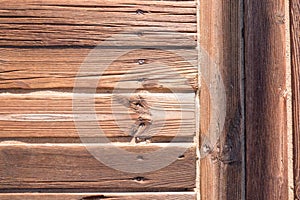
(76,23)
(43,45)
(142,115)
(220,35)
(58,69)
(266,111)
(98,196)
(73,168)
(295,47)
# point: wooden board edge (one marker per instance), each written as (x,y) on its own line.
(91,196)
(294,12)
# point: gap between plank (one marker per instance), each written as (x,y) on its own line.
(119,144)
(243,99)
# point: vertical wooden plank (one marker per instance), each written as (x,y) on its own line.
(265,98)
(220,35)
(295,50)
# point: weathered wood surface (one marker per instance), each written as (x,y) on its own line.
(44,115)
(108,196)
(42,47)
(58,68)
(295,47)
(73,168)
(266,112)
(68,23)
(220,36)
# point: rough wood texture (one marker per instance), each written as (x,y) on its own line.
(98,196)
(68,23)
(108,196)
(220,36)
(266,112)
(153,116)
(42,47)
(57,68)
(73,168)
(295,33)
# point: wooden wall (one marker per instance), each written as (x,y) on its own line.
(44,43)
(249,40)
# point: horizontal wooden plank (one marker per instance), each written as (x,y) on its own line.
(108,196)
(71,167)
(69,23)
(153,116)
(59,68)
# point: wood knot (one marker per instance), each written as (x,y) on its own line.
(141,61)
(140,12)
(139,179)
(139,105)
(97,197)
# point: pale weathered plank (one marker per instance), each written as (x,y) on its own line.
(220,35)
(295,47)
(98,196)
(143,115)
(58,68)
(73,168)
(69,23)
(266,100)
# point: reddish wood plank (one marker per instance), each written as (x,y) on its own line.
(74,23)
(50,115)
(266,111)
(73,168)
(58,68)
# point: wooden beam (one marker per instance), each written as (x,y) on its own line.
(155,117)
(95,196)
(266,100)
(71,168)
(220,35)
(44,68)
(74,23)
(295,40)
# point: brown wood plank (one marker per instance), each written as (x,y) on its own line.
(295,47)
(73,168)
(108,196)
(58,68)
(220,35)
(69,23)
(50,115)
(266,100)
